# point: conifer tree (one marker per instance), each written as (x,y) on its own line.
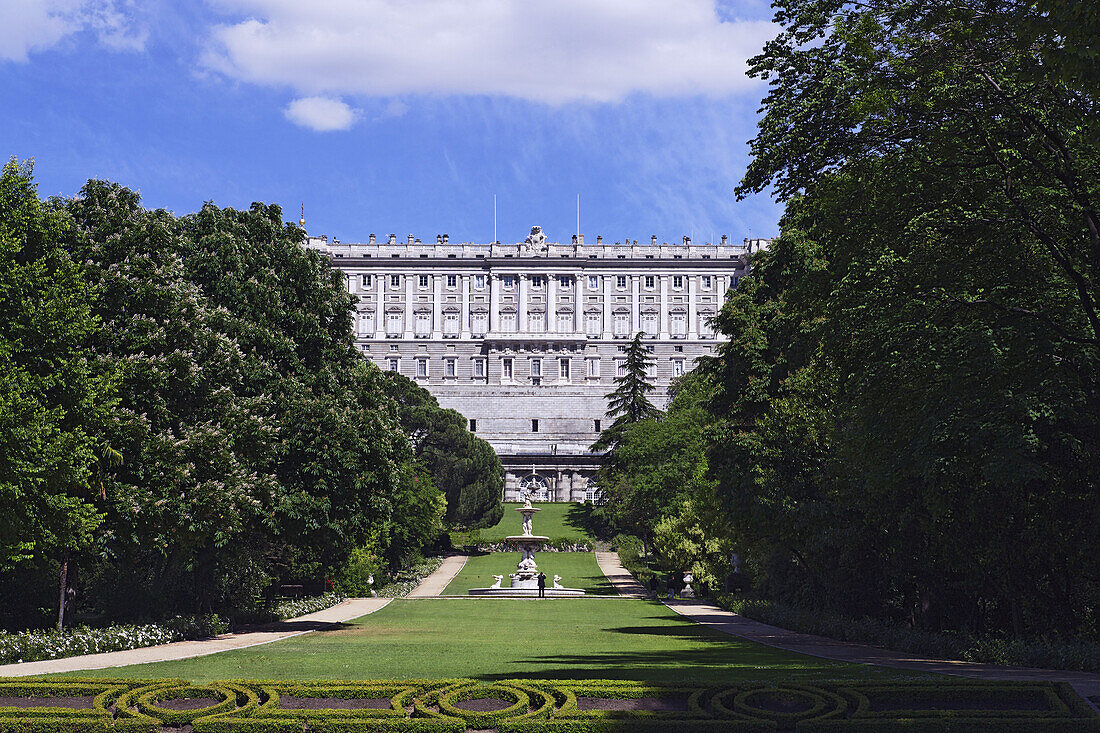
(628,404)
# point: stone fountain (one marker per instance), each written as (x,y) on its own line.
(524,582)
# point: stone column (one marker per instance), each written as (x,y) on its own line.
(664,308)
(494,303)
(693,321)
(607,306)
(437,307)
(635,305)
(380,311)
(465,314)
(522,325)
(551,303)
(410,296)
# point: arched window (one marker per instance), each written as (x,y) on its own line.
(536,486)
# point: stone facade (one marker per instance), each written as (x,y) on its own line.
(525,339)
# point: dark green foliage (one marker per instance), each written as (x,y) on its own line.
(463,466)
(629,402)
(548,706)
(54,395)
(909,402)
(204,423)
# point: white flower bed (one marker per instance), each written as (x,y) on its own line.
(34,646)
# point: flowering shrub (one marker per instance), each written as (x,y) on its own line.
(405,580)
(302,606)
(562,544)
(33,646)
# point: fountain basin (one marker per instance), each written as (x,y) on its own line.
(525,592)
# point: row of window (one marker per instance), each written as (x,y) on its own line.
(597,426)
(536,323)
(508,282)
(536,369)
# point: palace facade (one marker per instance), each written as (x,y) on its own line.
(525,340)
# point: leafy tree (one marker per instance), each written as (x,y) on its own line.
(186,509)
(909,395)
(657,464)
(464,467)
(53,395)
(629,402)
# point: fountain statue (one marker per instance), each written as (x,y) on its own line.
(524,582)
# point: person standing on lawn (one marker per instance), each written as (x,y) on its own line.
(542,584)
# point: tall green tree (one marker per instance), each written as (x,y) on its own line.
(629,402)
(53,395)
(908,400)
(463,466)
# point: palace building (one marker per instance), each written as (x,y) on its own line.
(525,340)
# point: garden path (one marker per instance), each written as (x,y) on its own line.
(625,583)
(346,611)
(1086,684)
(434,584)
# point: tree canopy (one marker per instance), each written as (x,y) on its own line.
(908,402)
(213,355)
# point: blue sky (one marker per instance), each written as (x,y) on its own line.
(402,116)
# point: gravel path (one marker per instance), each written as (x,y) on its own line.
(1085,683)
(434,584)
(620,577)
(346,611)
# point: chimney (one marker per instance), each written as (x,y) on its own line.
(410,239)
(439,239)
(372,239)
(653,240)
(687,241)
(725,240)
(574,240)
(599,239)
(580,239)
(418,240)
(393,239)
(446,239)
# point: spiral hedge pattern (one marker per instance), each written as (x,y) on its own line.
(536,706)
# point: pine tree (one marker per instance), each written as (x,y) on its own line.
(628,404)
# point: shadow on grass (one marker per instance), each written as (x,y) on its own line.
(285,626)
(586,518)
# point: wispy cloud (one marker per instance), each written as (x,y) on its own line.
(548,51)
(27,26)
(321,114)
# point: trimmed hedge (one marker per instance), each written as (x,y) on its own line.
(550,706)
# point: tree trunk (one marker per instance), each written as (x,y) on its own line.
(61,598)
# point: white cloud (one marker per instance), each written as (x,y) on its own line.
(36,25)
(550,51)
(321,114)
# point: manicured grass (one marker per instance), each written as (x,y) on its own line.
(553,522)
(501,638)
(577,570)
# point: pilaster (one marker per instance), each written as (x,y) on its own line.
(693,320)
(465,313)
(664,336)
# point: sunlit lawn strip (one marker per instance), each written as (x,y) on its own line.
(577,569)
(492,639)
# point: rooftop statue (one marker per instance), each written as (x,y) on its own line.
(535,243)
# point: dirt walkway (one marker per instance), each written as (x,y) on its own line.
(620,577)
(818,646)
(349,609)
(434,584)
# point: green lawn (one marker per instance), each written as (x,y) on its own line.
(577,570)
(553,522)
(500,638)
